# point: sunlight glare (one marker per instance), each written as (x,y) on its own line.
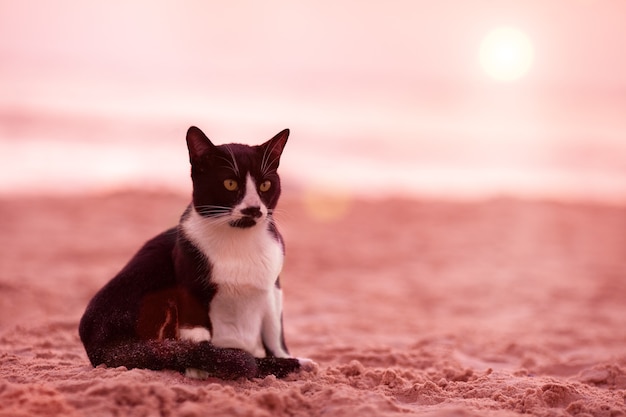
(506,54)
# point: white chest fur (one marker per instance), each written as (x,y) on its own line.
(245,265)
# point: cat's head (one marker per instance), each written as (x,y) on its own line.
(236,183)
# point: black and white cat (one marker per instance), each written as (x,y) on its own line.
(204,297)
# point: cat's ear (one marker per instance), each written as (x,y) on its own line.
(198,144)
(273,148)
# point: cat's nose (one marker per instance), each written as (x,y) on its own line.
(252,211)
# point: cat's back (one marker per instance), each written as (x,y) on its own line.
(154,258)
(150,269)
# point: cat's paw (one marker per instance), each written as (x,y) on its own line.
(308,365)
(279,367)
(194,373)
(195,334)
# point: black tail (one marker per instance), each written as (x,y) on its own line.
(176,355)
(179,355)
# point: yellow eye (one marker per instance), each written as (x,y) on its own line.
(265,186)
(231,185)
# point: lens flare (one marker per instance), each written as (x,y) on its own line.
(326,205)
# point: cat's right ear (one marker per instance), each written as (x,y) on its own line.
(198,144)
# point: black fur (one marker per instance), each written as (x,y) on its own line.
(133,321)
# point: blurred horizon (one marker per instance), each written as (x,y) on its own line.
(381,99)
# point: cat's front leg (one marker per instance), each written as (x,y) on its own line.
(195,334)
(272,326)
(278,362)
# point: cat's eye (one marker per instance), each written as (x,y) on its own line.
(265,186)
(231,185)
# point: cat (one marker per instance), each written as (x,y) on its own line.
(204,297)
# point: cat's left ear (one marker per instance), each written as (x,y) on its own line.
(198,143)
(273,148)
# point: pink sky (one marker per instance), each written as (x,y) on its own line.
(376,93)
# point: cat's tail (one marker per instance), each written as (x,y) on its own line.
(177,355)
(180,355)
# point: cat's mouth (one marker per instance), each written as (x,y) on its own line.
(243,223)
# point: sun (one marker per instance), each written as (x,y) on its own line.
(506,54)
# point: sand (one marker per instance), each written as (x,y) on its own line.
(410,307)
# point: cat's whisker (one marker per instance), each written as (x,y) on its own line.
(212,207)
(232,155)
(213,215)
(232,164)
(217,208)
(218,221)
(272,221)
(213,212)
(282,214)
(277,210)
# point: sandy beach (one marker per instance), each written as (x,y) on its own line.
(500,307)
